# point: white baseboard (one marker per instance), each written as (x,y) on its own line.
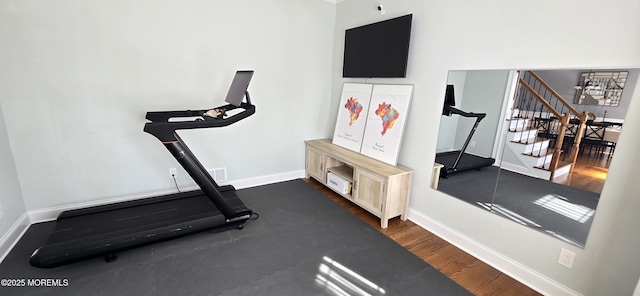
(11,238)
(49,214)
(498,261)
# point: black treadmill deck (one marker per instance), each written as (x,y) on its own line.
(123,225)
(467,162)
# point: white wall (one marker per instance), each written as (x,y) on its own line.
(78,76)
(498,34)
(11,202)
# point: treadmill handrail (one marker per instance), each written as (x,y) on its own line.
(164,130)
(480,116)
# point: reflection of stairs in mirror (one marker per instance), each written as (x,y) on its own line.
(531,154)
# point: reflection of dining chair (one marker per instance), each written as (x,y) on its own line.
(594,134)
(611,138)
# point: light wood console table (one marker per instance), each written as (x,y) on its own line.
(378,187)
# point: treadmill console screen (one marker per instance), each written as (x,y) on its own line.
(239,87)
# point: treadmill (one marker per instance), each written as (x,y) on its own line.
(104,230)
(458,160)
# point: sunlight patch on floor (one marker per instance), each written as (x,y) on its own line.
(559,205)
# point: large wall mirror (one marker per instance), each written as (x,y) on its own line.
(513,142)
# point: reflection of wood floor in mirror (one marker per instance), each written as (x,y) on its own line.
(589,173)
(469,272)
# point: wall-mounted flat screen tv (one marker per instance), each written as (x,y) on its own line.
(378,50)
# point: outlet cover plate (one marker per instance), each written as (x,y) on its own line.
(566,258)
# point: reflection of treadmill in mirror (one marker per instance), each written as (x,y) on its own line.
(106,229)
(459,160)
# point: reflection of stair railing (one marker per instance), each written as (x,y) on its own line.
(550,121)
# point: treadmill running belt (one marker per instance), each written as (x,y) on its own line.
(154,215)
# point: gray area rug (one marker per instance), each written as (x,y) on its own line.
(302,244)
(556,209)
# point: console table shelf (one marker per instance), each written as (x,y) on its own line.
(377,187)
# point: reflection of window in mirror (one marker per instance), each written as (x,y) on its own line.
(600,88)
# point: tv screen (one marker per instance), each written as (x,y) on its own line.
(378,50)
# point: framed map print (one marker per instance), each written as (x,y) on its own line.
(352,115)
(386,119)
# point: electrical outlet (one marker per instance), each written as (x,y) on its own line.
(566,257)
(173,173)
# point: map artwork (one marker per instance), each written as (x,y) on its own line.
(354,108)
(388,115)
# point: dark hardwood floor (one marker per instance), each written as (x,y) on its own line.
(469,272)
